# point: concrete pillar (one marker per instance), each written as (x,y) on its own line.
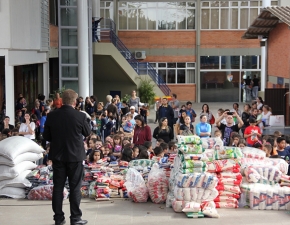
(9,93)
(197,50)
(266,3)
(83,48)
(45,68)
(96,8)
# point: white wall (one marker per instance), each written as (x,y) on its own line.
(285,2)
(4,24)
(25,24)
(20,24)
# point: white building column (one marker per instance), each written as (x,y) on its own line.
(266,3)
(45,68)
(83,48)
(9,93)
(96,8)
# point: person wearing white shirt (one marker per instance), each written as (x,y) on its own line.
(27,129)
(132,112)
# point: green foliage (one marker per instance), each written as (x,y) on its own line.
(126,98)
(59,90)
(146,90)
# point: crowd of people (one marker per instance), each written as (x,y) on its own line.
(119,129)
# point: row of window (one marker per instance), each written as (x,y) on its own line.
(181,15)
(230,62)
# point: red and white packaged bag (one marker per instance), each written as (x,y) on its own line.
(158,184)
(226,175)
(233,189)
(229,194)
(226,205)
(178,205)
(230,165)
(230,181)
(226,199)
(44,193)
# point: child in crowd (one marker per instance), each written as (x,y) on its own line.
(126,141)
(235,139)
(92,145)
(98,124)
(135,152)
(128,124)
(281,149)
(164,147)
(148,146)
(94,157)
(99,144)
(242,143)
(110,139)
(218,134)
(252,133)
(93,123)
(45,154)
(127,154)
(107,153)
(15,132)
(273,143)
(265,138)
(277,134)
(158,152)
(121,134)
(258,145)
(144,112)
(267,148)
(172,147)
(117,146)
(143,153)
(159,140)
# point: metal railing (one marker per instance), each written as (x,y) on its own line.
(107,33)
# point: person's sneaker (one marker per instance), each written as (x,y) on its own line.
(79,222)
(60,222)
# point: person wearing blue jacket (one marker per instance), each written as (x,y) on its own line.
(203,129)
(166,110)
(41,126)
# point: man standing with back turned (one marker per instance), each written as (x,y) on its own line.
(65,129)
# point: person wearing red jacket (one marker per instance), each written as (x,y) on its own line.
(142,132)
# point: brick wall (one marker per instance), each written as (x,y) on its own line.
(160,40)
(185,92)
(53,34)
(225,39)
(279,51)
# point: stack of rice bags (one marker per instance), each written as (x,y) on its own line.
(225,165)
(17,157)
(190,182)
(260,187)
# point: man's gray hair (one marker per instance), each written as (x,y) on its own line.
(69,97)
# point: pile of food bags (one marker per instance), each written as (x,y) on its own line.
(190,183)
(143,166)
(17,157)
(136,187)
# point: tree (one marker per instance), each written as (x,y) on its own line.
(146,90)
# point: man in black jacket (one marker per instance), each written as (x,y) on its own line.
(166,110)
(65,129)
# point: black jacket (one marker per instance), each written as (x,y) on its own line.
(64,129)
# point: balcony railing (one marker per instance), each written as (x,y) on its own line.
(107,33)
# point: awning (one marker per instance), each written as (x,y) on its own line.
(267,21)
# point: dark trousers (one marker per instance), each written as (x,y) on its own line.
(157,116)
(74,172)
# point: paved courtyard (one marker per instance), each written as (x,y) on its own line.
(123,212)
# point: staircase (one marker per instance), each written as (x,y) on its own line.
(107,33)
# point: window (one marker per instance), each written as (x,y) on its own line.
(230,14)
(176,72)
(53,12)
(156,15)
